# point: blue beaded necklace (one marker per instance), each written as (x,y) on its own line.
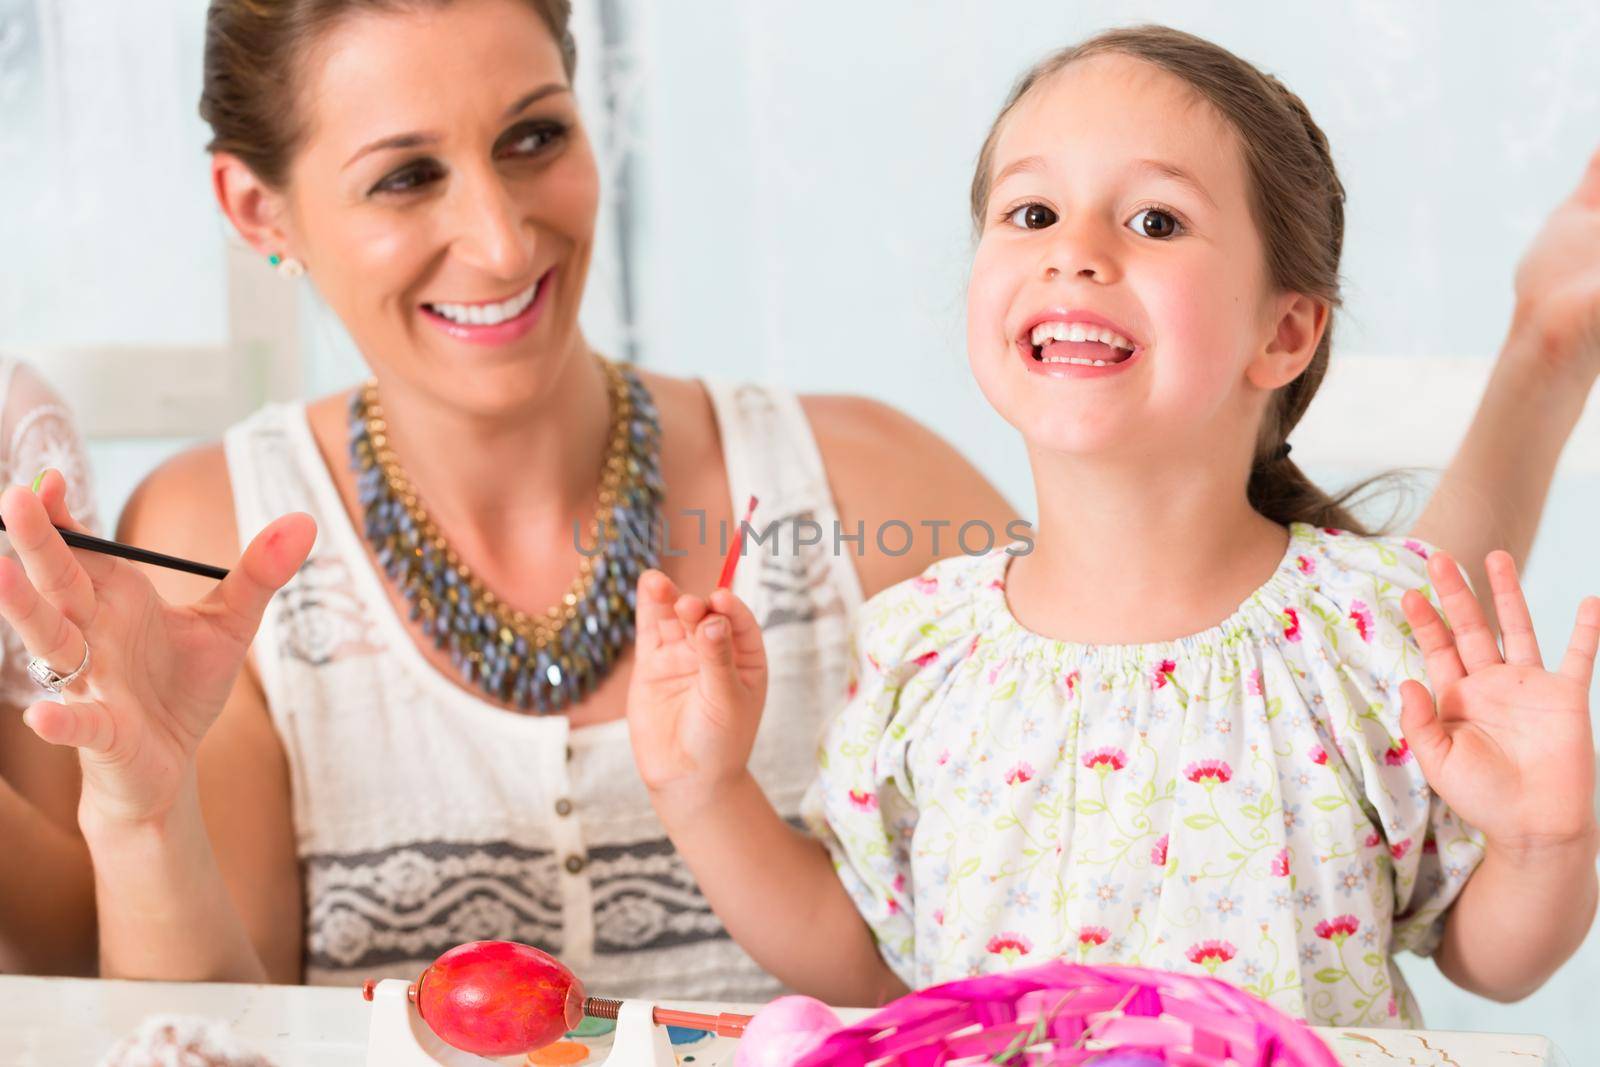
(540,663)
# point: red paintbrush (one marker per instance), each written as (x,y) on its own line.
(736,550)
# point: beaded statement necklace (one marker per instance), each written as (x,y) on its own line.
(540,663)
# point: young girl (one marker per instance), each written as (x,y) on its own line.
(1031,764)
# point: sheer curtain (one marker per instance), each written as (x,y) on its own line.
(110,233)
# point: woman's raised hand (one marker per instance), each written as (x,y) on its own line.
(157,674)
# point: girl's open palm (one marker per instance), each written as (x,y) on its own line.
(1508,745)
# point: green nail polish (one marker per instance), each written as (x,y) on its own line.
(38,479)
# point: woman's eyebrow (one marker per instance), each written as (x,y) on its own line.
(538,94)
(399,140)
(418,139)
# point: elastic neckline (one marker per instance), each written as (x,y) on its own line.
(1259,616)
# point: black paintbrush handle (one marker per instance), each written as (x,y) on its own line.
(138,555)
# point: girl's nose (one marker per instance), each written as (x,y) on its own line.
(1082,250)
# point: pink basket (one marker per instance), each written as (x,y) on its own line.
(1064,1013)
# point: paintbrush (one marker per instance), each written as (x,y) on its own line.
(89,543)
(736,549)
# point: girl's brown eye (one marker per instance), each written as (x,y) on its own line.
(1033,217)
(1153,222)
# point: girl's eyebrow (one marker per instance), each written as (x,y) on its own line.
(1156,167)
(1026,163)
(1163,169)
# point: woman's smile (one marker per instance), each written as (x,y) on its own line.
(492,322)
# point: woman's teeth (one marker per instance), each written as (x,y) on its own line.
(1046,332)
(486,314)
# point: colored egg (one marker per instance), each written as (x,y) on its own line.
(784,1031)
(499,998)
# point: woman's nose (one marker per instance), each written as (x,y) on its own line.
(493,233)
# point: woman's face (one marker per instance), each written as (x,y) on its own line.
(443,198)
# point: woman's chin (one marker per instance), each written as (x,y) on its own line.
(488,381)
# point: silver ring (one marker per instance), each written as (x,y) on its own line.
(49,678)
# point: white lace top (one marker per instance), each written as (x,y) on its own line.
(36,432)
(426,817)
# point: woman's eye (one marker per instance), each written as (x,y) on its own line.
(1033,217)
(412,176)
(528,139)
(1153,222)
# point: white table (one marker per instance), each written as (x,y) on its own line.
(67,1022)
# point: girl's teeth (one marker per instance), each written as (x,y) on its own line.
(1046,332)
(1074,360)
(487,314)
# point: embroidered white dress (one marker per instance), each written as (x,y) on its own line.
(425,817)
(1239,802)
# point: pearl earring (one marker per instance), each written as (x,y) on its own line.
(287,266)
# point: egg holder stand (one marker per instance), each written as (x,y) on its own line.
(398,1037)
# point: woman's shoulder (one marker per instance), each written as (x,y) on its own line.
(889,473)
(184,508)
(886,472)
(188,500)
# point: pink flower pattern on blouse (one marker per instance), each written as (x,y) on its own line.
(1239,802)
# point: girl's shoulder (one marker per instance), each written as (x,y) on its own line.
(932,617)
(1346,608)
(1345,566)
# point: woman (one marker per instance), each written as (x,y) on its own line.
(47,903)
(360,800)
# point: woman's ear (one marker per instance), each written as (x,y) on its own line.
(1299,322)
(256,211)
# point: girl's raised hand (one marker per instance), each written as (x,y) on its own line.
(1505,742)
(158,674)
(699,683)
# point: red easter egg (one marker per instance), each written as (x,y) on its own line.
(499,998)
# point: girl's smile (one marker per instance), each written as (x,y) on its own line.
(1076,344)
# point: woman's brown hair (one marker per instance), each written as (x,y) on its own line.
(253,53)
(1297,202)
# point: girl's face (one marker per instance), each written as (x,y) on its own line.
(444,197)
(1118,304)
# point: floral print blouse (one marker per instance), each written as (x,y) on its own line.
(1239,802)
